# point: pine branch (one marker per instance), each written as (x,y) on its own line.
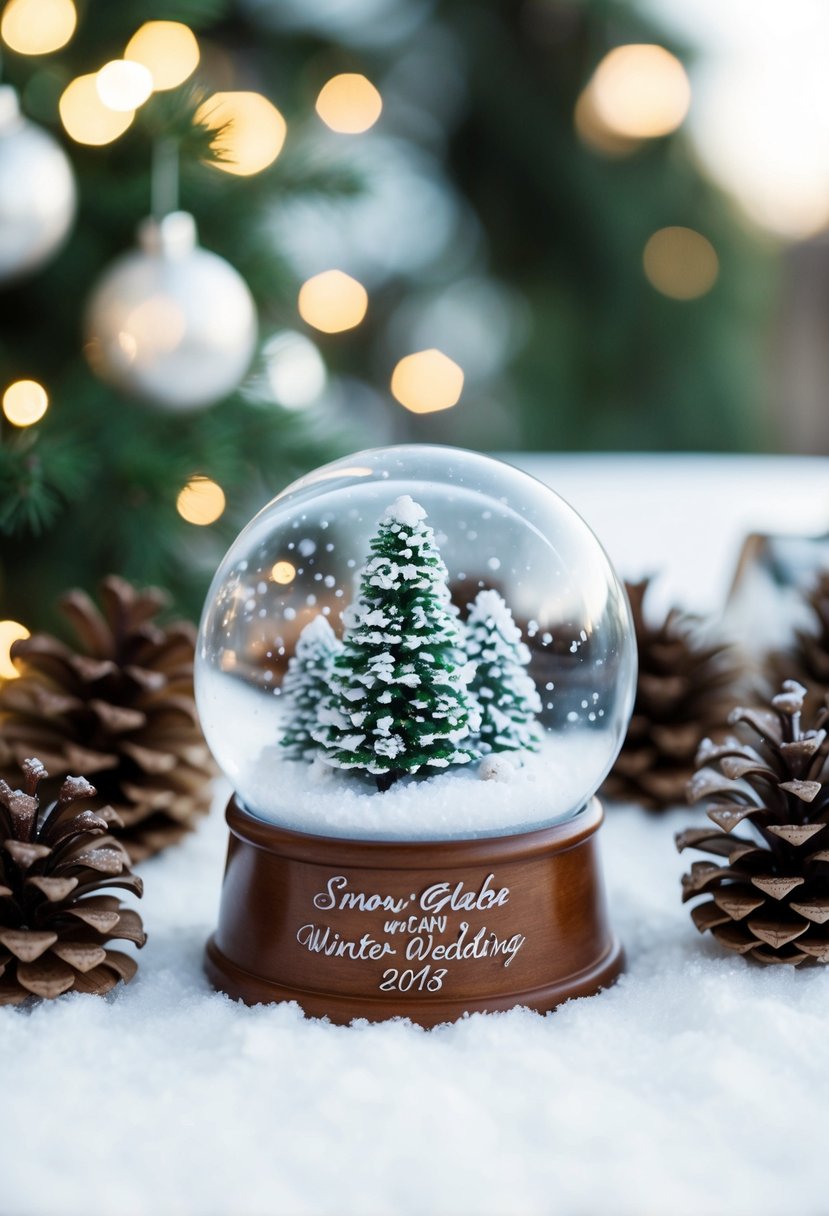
(39,476)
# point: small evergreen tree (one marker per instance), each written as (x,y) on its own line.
(307,685)
(506,694)
(400,700)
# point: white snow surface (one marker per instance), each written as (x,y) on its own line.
(438,804)
(667,1093)
(490,606)
(404,510)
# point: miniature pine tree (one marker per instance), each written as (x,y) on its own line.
(506,694)
(400,700)
(307,686)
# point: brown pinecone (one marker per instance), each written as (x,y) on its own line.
(119,708)
(769,899)
(54,926)
(684,691)
(807,658)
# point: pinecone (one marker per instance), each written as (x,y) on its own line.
(807,658)
(120,708)
(684,691)
(770,898)
(54,926)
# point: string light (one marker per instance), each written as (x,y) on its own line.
(38,27)
(123,85)
(10,632)
(85,117)
(252,131)
(201,501)
(640,91)
(680,263)
(349,104)
(427,381)
(332,302)
(283,573)
(25,402)
(167,49)
(595,133)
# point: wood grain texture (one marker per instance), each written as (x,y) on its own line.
(425,930)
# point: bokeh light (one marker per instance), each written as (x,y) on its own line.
(595,133)
(38,27)
(427,381)
(680,263)
(295,369)
(332,302)
(349,104)
(85,117)
(123,85)
(640,91)
(168,49)
(201,501)
(10,632)
(25,402)
(283,573)
(250,131)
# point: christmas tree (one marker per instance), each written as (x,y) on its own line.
(505,692)
(306,686)
(106,480)
(400,701)
(483,207)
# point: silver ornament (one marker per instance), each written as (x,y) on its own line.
(171,323)
(37,191)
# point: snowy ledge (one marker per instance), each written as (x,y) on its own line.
(498,797)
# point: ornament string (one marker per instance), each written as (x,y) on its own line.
(164,183)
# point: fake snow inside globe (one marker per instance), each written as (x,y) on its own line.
(415,643)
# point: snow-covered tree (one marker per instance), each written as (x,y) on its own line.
(506,694)
(307,685)
(400,700)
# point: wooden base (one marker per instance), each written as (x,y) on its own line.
(424,930)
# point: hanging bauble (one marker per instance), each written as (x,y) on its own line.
(37,191)
(171,323)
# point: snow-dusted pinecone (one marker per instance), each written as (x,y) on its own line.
(55,926)
(806,659)
(769,897)
(684,692)
(118,707)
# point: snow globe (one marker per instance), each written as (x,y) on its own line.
(415,666)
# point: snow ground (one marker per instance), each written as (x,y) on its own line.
(698,1084)
(541,788)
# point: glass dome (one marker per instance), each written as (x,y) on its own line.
(303,558)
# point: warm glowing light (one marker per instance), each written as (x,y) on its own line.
(167,49)
(201,501)
(680,263)
(427,381)
(252,131)
(640,91)
(85,117)
(295,369)
(37,27)
(332,301)
(283,572)
(764,143)
(349,104)
(10,632)
(25,402)
(123,85)
(594,132)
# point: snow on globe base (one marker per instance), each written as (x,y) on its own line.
(416,667)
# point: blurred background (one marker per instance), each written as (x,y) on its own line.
(553,225)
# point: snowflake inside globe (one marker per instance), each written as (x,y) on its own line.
(415,643)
